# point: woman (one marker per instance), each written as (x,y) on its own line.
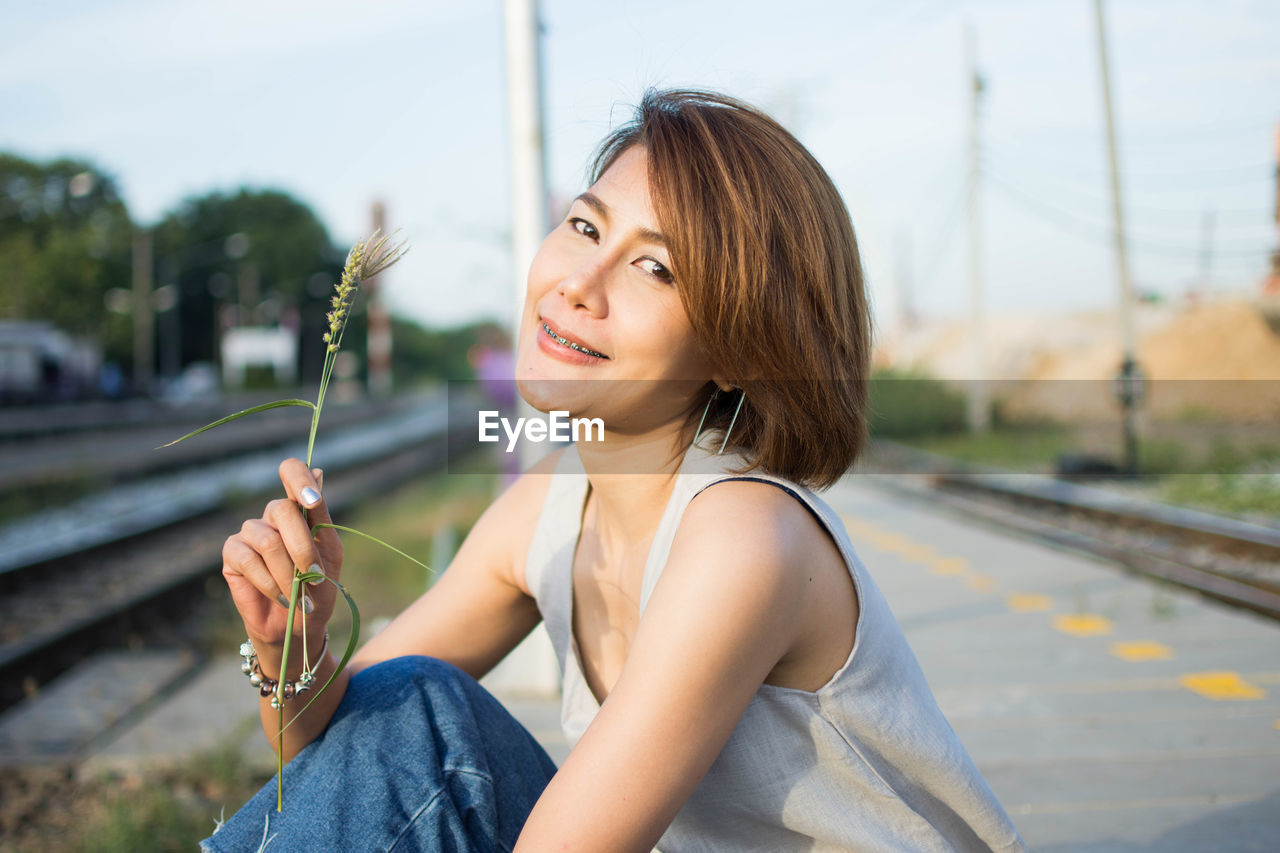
(733,679)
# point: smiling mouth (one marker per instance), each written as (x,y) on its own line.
(571,344)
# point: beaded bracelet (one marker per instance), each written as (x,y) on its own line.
(267,686)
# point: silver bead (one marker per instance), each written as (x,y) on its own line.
(267,688)
(288,690)
(302,688)
(246,667)
(255,679)
(306,678)
(247,650)
(275,704)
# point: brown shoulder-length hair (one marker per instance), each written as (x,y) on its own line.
(764,256)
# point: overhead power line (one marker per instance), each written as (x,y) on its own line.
(1100,232)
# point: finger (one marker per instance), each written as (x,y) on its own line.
(240,558)
(300,484)
(264,539)
(318,474)
(295,533)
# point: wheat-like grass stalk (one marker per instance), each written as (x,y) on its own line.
(366,259)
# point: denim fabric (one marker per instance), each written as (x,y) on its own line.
(418,756)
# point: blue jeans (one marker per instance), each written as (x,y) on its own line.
(418,756)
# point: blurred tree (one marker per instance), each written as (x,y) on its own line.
(252,258)
(420,354)
(65,240)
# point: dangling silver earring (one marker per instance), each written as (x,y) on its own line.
(742,396)
(698,433)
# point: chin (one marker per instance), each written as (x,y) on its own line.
(546,394)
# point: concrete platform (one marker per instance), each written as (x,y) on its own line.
(1108,712)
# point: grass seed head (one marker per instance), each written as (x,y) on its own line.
(366,259)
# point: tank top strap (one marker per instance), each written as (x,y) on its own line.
(702,469)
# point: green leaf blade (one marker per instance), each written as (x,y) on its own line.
(278,404)
(373,539)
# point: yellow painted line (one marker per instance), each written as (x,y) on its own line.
(1111,685)
(920,553)
(981,583)
(1082,624)
(1029,602)
(859,528)
(891,542)
(1222,685)
(949,566)
(1137,652)
(1122,805)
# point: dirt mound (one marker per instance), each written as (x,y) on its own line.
(1215,360)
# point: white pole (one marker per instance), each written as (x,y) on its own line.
(979,404)
(528,163)
(532,667)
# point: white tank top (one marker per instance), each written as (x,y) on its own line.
(867,762)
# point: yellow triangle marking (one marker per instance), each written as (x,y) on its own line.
(1029,602)
(1223,685)
(1137,652)
(1082,624)
(949,566)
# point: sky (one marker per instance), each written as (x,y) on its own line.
(404,101)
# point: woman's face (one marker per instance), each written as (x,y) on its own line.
(602,306)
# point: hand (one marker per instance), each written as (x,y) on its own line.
(259,562)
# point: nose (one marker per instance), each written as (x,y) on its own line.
(585,286)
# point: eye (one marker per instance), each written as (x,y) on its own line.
(585,228)
(656,270)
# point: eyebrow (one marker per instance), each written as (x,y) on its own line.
(593,201)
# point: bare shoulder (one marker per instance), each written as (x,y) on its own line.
(767,554)
(758,513)
(512,518)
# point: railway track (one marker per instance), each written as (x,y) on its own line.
(68,589)
(1229,560)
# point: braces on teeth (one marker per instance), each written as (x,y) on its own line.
(571,344)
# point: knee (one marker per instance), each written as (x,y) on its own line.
(388,682)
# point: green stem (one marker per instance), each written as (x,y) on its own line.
(329,358)
(294,590)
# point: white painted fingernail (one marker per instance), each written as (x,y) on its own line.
(310,497)
(314,568)
(307,604)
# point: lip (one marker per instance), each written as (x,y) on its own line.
(566,353)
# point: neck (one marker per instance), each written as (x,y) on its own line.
(631,478)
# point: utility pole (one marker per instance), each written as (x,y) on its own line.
(902,284)
(532,666)
(979,401)
(143,326)
(528,160)
(1206,251)
(1129,381)
(379,320)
